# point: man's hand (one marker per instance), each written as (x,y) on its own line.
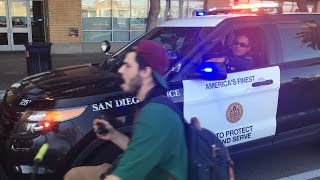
(113,135)
(221,60)
(112,177)
(111,131)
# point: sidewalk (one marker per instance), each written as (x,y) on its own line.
(13,65)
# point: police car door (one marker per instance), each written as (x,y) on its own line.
(238,109)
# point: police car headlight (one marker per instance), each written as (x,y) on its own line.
(48,119)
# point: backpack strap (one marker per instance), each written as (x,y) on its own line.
(168,102)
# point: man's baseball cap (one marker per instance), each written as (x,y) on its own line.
(153,55)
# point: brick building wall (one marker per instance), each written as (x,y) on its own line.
(62,16)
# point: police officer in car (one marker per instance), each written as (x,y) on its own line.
(240,58)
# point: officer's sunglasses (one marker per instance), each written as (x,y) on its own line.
(243,45)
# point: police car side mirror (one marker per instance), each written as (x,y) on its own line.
(105,46)
(209,71)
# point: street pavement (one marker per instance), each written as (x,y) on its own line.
(298,161)
(13,65)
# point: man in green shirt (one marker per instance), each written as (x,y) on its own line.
(157,149)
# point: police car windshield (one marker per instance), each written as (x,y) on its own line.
(178,41)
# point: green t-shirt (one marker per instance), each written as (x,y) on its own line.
(157,147)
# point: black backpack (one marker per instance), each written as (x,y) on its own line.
(208,158)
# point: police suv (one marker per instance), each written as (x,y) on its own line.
(276,100)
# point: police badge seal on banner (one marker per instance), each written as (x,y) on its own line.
(234,112)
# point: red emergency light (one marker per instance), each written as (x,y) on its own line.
(262,8)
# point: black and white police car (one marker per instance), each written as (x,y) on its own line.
(277,100)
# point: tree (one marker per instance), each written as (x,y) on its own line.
(302,5)
(153,14)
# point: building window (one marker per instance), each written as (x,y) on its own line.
(190,7)
(113,20)
(138,18)
(179,8)
(125,20)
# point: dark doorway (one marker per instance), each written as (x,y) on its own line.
(37,21)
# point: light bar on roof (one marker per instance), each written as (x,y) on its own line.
(254,6)
(213,9)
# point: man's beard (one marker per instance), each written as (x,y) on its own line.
(135,85)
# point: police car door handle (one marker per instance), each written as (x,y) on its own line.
(262,83)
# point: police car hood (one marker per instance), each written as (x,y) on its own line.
(65,83)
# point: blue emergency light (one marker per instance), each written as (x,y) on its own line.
(212,70)
(207,69)
(200,13)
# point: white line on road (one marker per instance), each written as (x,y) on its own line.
(303,176)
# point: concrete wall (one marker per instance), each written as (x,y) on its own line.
(91,47)
(83,47)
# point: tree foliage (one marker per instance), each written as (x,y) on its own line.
(310,35)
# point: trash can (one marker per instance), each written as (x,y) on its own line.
(38,57)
